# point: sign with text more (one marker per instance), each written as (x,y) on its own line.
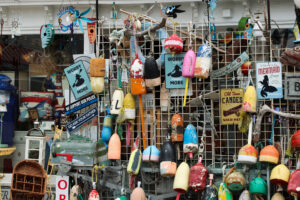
(292,86)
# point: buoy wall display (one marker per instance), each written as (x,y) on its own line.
(152,73)
(168,164)
(190,140)
(151,154)
(114,147)
(280,175)
(117,102)
(269,154)
(203,62)
(181,181)
(138,193)
(294,183)
(177,128)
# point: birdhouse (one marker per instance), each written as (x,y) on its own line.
(117,102)
(106,131)
(250,99)
(294,183)
(277,196)
(235,181)
(190,140)
(151,154)
(168,160)
(152,73)
(280,175)
(198,175)
(134,163)
(177,128)
(269,154)
(91,27)
(114,147)
(181,181)
(137,81)
(173,44)
(296,140)
(35,146)
(188,65)
(258,186)
(203,62)
(129,107)
(138,193)
(247,155)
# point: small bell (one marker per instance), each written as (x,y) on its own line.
(168,160)
(269,154)
(250,100)
(203,62)
(134,163)
(173,44)
(106,131)
(94,195)
(294,183)
(177,128)
(280,175)
(258,186)
(138,193)
(197,180)
(138,85)
(114,147)
(129,107)
(181,181)
(151,154)
(152,73)
(117,102)
(190,140)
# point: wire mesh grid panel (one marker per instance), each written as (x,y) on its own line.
(221,142)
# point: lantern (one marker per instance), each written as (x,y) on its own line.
(250,99)
(106,131)
(198,174)
(181,181)
(269,154)
(294,183)
(177,128)
(114,147)
(152,73)
(235,181)
(277,196)
(258,186)
(168,160)
(188,69)
(129,107)
(173,44)
(35,146)
(296,140)
(280,175)
(203,62)
(138,193)
(151,153)
(190,140)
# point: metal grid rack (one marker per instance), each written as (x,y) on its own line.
(223,142)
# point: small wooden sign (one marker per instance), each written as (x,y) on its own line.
(231,101)
(292,86)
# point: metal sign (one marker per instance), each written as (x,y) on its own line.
(173,69)
(62,188)
(231,101)
(82,103)
(78,79)
(5,193)
(78,122)
(269,80)
(292,86)
(237,63)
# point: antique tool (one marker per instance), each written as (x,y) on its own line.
(181,181)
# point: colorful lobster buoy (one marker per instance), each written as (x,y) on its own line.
(177,128)
(277,196)
(198,174)
(134,164)
(190,140)
(114,147)
(294,183)
(296,140)
(203,62)
(168,160)
(269,154)
(94,195)
(250,100)
(181,181)
(280,175)
(129,107)
(247,155)
(106,131)
(210,192)
(97,73)
(47,35)
(117,102)
(188,68)
(245,195)
(258,186)
(138,86)
(235,180)
(151,154)
(173,44)
(224,193)
(152,73)
(138,193)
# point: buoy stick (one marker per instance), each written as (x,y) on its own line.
(178,196)
(268,178)
(142,121)
(186,90)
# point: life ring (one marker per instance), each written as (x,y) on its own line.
(160,33)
